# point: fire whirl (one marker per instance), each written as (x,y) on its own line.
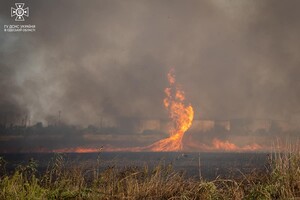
(181,115)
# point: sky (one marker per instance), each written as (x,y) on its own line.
(108,59)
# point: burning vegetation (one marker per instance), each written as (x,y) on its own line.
(181,115)
(203,135)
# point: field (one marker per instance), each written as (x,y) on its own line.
(279,179)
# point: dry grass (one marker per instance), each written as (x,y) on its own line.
(59,182)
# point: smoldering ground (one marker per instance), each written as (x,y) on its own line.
(108,60)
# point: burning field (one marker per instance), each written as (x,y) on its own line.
(98,78)
(177,137)
(210,137)
(209,87)
(181,117)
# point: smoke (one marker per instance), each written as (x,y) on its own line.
(109,59)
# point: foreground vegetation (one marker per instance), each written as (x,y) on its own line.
(282,181)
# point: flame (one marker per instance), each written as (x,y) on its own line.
(223,145)
(228,146)
(77,150)
(218,145)
(180,114)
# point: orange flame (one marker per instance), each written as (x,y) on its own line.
(224,145)
(228,146)
(77,150)
(217,145)
(180,114)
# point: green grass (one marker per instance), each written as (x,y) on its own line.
(282,181)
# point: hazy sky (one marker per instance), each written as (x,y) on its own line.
(109,59)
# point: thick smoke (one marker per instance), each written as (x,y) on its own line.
(108,60)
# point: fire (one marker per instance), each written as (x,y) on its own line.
(77,150)
(181,115)
(228,146)
(218,145)
(224,145)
